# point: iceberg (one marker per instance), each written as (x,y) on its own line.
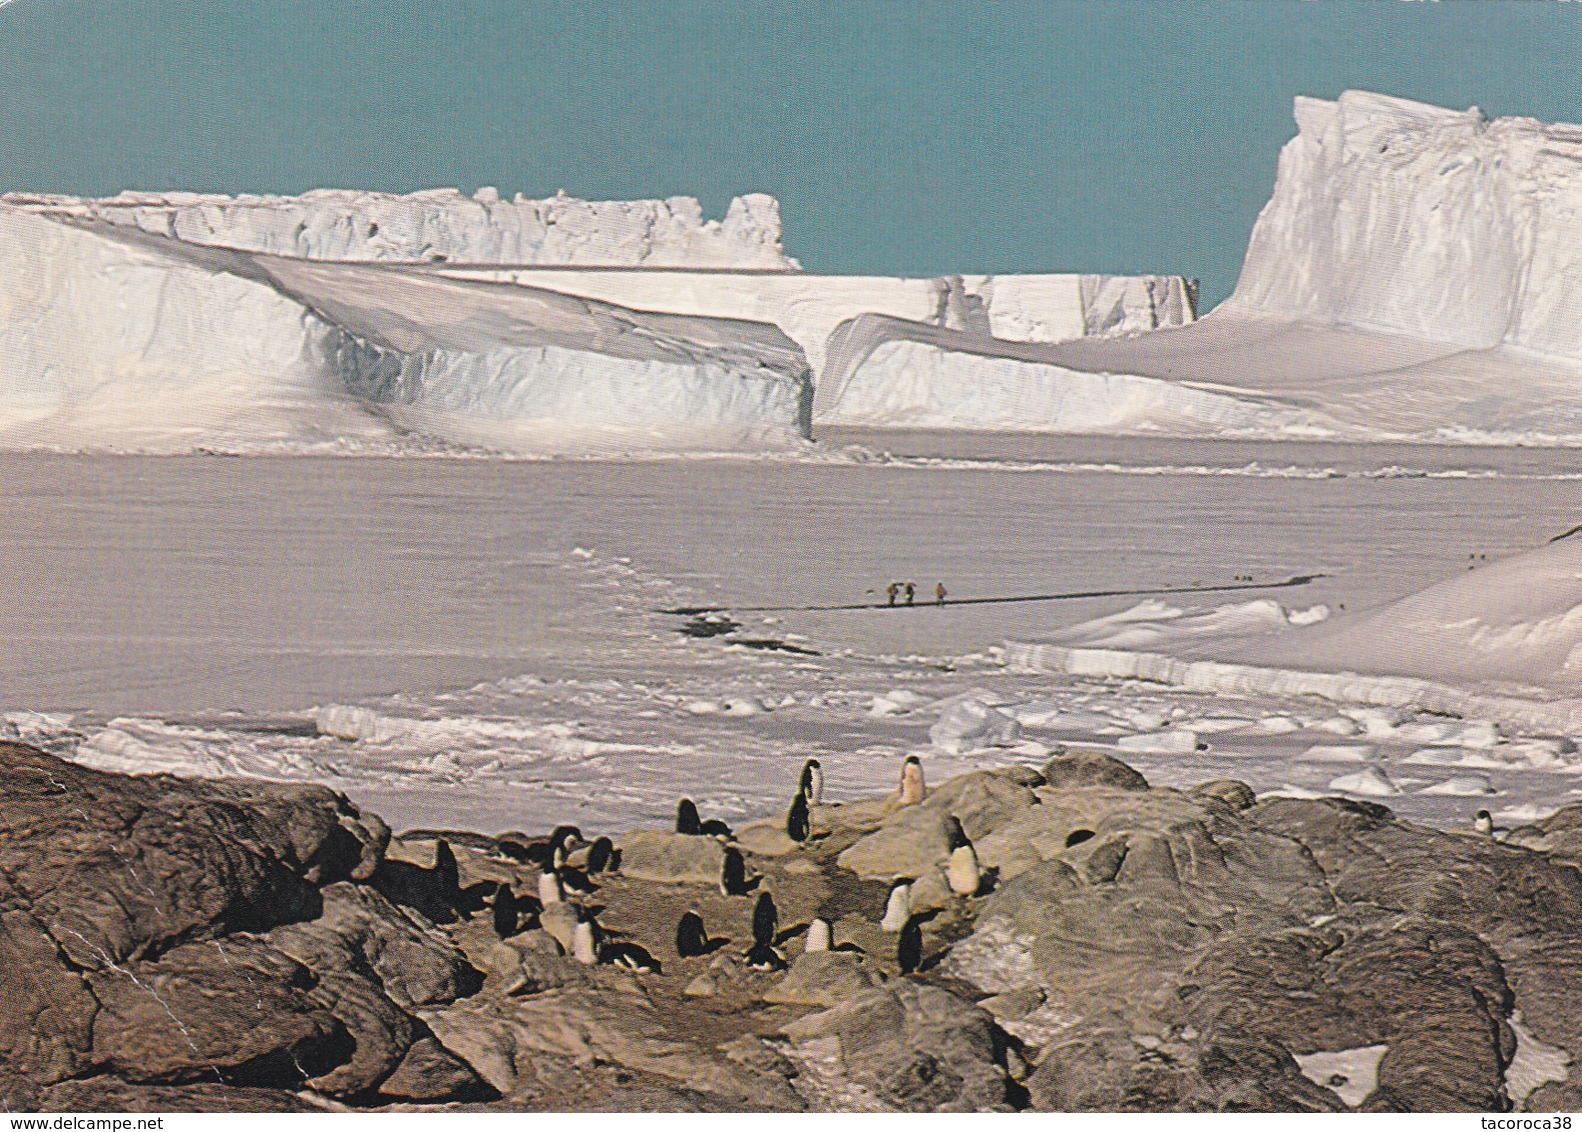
(809,307)
(114,339)
(1416,275)
(445,226)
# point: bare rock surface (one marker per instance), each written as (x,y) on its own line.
(170,945)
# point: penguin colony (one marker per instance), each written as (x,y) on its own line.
(567,862)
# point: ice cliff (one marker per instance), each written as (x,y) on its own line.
(1414,276)
(445,226)
(1396,216)
(1015,308)
(114,339)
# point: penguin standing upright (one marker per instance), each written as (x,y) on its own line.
(733,873)
(811,784)
(766,919)
(963,872)
(599,855)
(898,908)
(1483,822)
(507,912)
(585,942)
(691,938)
(817,936)
(449,874)
(549,890)
(913,789)
(763,955)
(909,948)
(797,818)
(687,821)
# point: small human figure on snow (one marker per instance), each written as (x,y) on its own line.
(939,593)
(890,591)
(911,593)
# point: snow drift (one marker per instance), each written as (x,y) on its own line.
(442,225)
(1502,643)
(113,339)
(1416,275)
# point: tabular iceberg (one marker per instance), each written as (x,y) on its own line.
(808,307)
(114,339)
(1416,275)
(443,225)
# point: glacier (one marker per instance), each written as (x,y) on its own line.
(1413,277)
(114,339)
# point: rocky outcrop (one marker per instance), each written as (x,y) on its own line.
(169,945)
(158,933)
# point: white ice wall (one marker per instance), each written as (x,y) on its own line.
(1019,308)
(116,340)
(1406,218)
(443,225)
(106,345)
(894,373)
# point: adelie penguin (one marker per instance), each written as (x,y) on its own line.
(818,936)
(549,890)
(898,908)
(507,912)
(599,855)
(763,956)
(1483,822)
(913,790)
(687,821)
(797,818)
(811,785)
(691,937)
(733,873)
(574,881)
(445,866)
(565,840)
(909,948)
(585,942)
(632,956)
(962,872)
(766,919)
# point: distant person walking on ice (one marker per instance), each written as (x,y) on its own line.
(890,591)
(911,592)
(939,593)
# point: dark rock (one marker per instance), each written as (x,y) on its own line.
(918,1048)
(430,1072)
(116,867)
(1096,1069)
(1237,795)
(1071,769)
(416,964)
(230,1013)
(1433,992)
(109,1094)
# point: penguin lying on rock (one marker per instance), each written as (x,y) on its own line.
(631,956)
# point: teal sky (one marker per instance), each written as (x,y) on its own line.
(911,137)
